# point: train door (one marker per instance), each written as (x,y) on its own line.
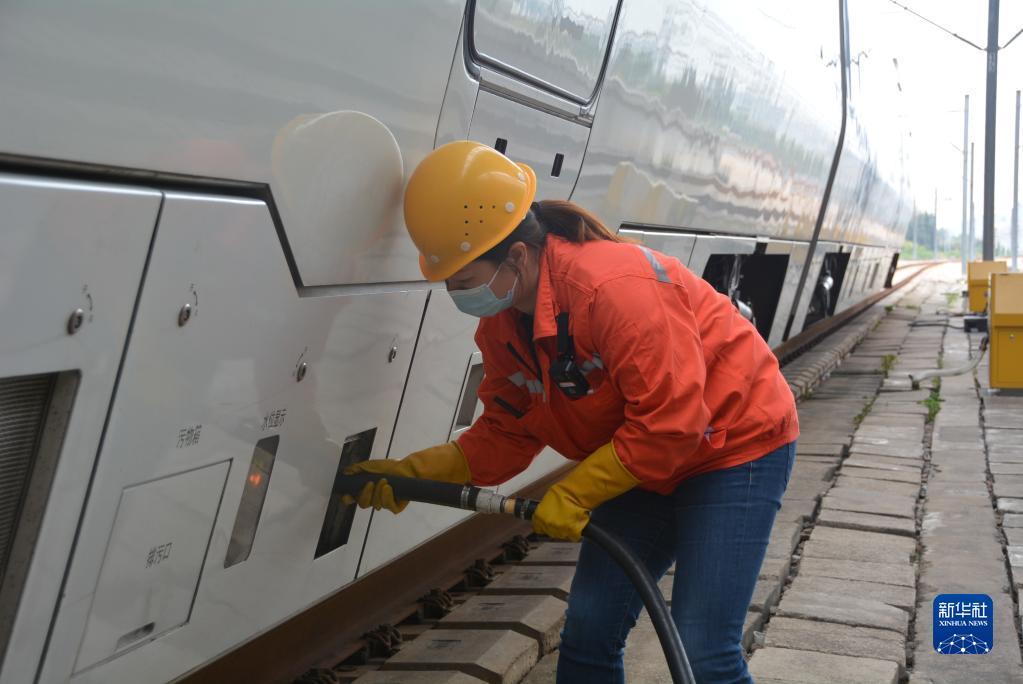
(526,83)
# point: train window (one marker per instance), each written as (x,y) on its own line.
(257,482)
(559,45)
(337,522)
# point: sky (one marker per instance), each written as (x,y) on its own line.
(936,71)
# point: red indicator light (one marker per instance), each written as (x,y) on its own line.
(255,479)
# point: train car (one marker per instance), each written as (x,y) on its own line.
(209,303)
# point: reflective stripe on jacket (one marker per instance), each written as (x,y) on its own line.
(679,380)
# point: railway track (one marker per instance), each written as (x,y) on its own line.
(398,602)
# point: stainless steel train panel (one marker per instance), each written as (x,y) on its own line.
(459,100)
(678,245)
(558,44)
(153,561)
(64,247)
(225,353)
(342,225)
(796,253)
(816,263)
(436,393)
(711,120)
(223,94)
(708,245)
(533,137)
(547,461)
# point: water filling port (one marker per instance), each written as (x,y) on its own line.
(257,482)
(337,523)
(470,396)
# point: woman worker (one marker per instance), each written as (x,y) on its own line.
(619,358)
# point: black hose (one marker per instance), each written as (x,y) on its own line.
(473,498)
(667,631)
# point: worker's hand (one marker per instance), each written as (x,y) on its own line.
(565,509)
(445,463)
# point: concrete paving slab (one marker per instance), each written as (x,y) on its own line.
(879,441)
(848,481)
(553,553)
(775,665)
(870,502)
(1006,468)
(539,617)
(894,463)
(495,656)
(541,579)
(795,510)
(941,491)
(825,637)
(1015,556)
(889,434)
(803,489)
(892,594)
(545,672)
(1010,505)
(1009,418)
(901,574)
(853,611)
(1004,455)
(753,623)
(831,542)
(915,452)
(1012,520)
(777,567)
(885,524)
(911,476)
(1008,486)
(439,677)
(766,593)
(1001,436)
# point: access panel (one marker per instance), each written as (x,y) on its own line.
(153,561)
(229,362)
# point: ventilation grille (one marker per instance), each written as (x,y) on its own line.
(23,407)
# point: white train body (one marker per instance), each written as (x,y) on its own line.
(206,288)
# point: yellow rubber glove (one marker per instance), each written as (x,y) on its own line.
(565,509)
(444,462)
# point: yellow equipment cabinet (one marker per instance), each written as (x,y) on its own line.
(977,275)
(1006,330)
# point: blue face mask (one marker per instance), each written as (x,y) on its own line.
(481,301)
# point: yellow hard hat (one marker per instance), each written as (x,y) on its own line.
(463,199)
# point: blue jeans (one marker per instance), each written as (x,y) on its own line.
(715,527)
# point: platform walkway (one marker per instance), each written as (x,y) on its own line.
(897,495)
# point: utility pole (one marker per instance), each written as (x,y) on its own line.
(966,160)
(935,222)
(989,131)
(973,214)
(915,221)
(1014,237)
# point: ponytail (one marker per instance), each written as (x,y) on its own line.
(562,218)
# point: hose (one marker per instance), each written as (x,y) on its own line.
(485,501)
(917,378)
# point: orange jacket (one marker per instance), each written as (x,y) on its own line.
(680,381)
